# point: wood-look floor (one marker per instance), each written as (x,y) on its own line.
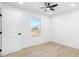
(49,49)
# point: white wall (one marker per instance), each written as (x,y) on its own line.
(27,40)
(65,29)
(26,29)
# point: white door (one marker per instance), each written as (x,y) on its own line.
(11,27)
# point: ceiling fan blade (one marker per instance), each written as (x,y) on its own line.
(54,5)
(52,9)
(46,4)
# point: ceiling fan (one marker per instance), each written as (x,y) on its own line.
(49,6)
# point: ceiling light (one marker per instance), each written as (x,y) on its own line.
(48,8)
(20,3)
(72,5)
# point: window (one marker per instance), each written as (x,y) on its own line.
(36,27)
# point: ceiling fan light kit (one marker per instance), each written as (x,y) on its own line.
(48,6)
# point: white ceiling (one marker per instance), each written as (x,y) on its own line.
(63,7)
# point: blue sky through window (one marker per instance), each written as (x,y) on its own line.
(35,21)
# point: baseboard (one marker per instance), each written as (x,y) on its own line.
(36,44)
(66,44)
(43,42)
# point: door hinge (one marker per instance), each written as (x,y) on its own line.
(0,32)
(0,50)
(0,14)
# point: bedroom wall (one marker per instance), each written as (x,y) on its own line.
(26,39)
(65,29)
(26,30)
